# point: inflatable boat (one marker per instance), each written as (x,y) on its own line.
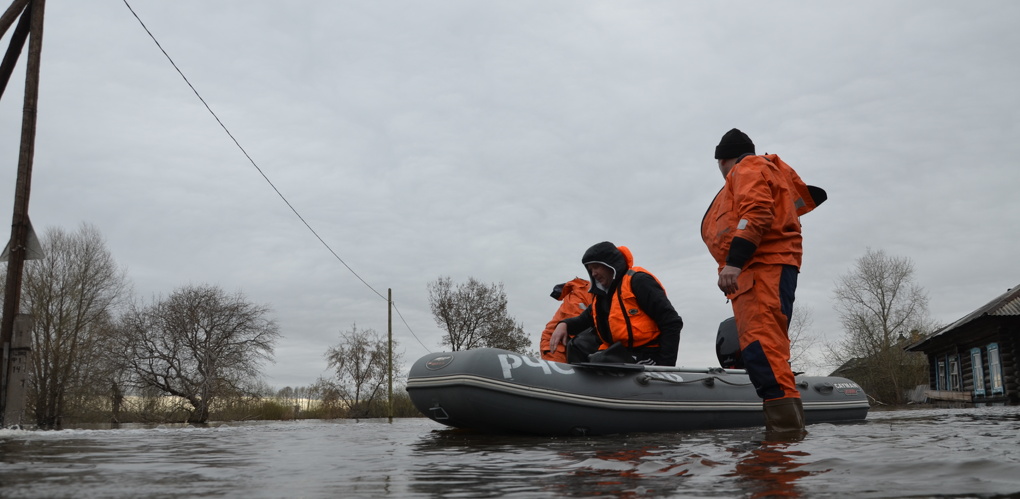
(499,391)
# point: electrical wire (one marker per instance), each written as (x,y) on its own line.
(263,174)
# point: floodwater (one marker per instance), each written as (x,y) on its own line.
(912,453)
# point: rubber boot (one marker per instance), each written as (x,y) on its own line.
(784,419)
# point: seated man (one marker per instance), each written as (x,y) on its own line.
(575,297)
(630,313)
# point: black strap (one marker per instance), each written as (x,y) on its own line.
(623,309)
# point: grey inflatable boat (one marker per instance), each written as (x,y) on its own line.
(499,391)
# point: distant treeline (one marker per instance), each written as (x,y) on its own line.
(161,409)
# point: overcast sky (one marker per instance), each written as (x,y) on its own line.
(500,139)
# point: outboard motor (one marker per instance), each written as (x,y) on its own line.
(727,345)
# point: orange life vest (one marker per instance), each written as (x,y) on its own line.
(627,322)
(576,299)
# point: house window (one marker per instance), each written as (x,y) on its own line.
(940,380)
(994,369)
(978,370)
(954,373)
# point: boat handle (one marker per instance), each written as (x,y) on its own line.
(438,413)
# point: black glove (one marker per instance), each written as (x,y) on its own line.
(615,354)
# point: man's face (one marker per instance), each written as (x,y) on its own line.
(601,273)
(725,165)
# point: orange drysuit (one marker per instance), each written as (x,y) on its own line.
(753,224)
(576,298)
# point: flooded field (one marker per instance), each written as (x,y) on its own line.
(911,453)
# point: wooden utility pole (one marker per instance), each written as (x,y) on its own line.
(389,347)
(14,358)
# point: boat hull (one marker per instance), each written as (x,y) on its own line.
(500,391)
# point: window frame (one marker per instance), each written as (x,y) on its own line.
(977,371)
(995,380)
(955,381)
(940,374)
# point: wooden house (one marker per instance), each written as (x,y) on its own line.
(976,359)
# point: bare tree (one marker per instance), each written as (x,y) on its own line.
(475,316)
(360,363)
(303,396)
(71,293)
(331,402)
(802,341)
(286,396)
(881,308)
(198,344)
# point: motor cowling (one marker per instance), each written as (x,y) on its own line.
(727,345)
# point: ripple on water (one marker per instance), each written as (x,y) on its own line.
(894,453)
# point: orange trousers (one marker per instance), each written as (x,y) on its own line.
(762,308)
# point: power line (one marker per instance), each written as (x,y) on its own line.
(270,182)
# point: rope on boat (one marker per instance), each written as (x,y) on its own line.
(645,378)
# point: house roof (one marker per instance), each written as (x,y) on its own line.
(1006,304)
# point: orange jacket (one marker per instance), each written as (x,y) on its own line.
(576,299)
(633,328)
(759,206)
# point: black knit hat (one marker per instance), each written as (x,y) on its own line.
(733,145)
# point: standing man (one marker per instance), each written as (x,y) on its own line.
(752,229)
(631,315)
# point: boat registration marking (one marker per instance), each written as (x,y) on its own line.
(509,362)
(849,388)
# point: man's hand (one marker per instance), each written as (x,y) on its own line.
(728,279)
(559,336)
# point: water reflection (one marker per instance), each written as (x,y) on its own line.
(656,465)
(453,462)
(771,469)
(918,453)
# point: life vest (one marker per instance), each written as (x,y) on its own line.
(576,299)
(627,322)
